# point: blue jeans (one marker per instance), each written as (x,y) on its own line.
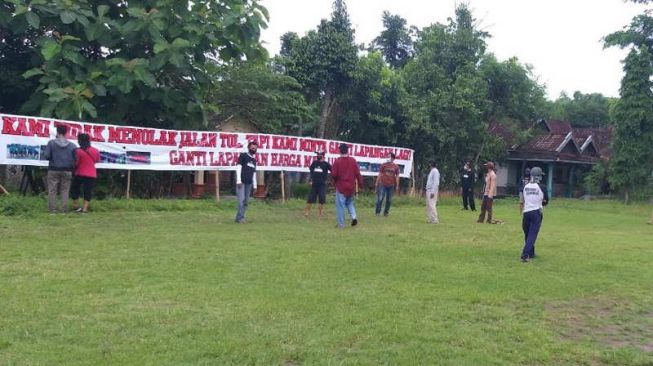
(343,202)
(381,193)
(531,224)
(242,192)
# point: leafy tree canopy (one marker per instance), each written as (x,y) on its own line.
(141,62)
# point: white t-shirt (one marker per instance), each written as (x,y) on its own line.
(433,181)
(533,197)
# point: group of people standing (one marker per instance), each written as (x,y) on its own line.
(71,171)
(467,180)
(533,196)
(345,175)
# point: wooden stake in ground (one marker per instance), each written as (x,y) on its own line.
(129,184)
(412,188)
(217,185)
(3,190)
(283,187)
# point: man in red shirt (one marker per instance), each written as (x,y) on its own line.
(345,174)
(386,183)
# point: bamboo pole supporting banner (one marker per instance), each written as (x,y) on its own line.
(129,184)
(412,188)
(217,185)
(283,186)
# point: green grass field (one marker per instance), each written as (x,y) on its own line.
(178,283)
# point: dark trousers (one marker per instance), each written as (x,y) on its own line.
(468,198)
(486,206)
(79,183)
(381,193)
(531,223)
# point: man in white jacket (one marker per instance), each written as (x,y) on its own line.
(432,188)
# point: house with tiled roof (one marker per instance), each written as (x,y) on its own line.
(563,152)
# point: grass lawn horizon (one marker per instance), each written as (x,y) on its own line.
(179,283)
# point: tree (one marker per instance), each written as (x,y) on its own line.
(17,54)
(323,62)
(583,110)
(513,91)
(395,41)
(446,96)
(639,33)
(140,62)
(273,102)
(372,112)
(632,160)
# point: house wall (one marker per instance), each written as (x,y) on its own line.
(502,175)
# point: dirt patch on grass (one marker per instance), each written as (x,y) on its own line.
(614,323)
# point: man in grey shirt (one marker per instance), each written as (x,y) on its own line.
(61,156)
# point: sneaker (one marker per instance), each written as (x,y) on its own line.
(525,260)
(385,214)
(354,222)
(78,209)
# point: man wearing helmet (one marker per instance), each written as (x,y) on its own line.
(534,197)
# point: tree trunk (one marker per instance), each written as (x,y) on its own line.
(480,151)
(626,197)
(327,106)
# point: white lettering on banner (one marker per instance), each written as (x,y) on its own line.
(23,140)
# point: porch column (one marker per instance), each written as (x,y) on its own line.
(549,180)
(570,183)
(520,174)
(260,184)
(199,177)
(198,184)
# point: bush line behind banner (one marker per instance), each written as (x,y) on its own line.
(23,140)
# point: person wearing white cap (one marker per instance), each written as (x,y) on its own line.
(534,197)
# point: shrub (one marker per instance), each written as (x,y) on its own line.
(300,190)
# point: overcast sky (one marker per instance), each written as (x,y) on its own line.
(560,38)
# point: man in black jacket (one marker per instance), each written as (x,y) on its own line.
(319,172)
(245,179)
(467,182)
